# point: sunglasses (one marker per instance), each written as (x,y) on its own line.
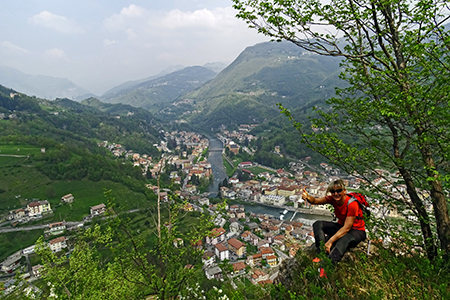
(336,191)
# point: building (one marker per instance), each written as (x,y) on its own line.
(237,247)
(222,252)
(234,148)
(238,268)
(273,199)
(28,250)
(203,201)
(208,259)
(286,191)
(36,270)
(266,251)
(245,164)
(254,259)
(250,238)
(57,228)
(58,244)
(67,198)
(37,208)
(213,273)
(272,260)
(11,262)
(98,209)
(259,276)
(216,236)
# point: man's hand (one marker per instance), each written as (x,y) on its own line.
(328,247)
(305,195)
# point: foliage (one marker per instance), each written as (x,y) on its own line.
(134,267)
(395,110)
(157,94)
(247,91)
(384,276)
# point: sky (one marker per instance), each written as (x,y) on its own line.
(99,44)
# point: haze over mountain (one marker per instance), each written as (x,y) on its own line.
(41,86)
(154,93)
(263,75)
(246,91)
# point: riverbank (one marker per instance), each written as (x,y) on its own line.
(306,211)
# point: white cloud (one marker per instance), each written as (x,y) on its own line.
(55,53)
(132,11)
(205,18)
(126,17)
(178,19)
(56,22)
(107,42)
(13,48)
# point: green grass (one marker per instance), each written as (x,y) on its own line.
(259,170)
(27,182)
(229,168)
(18,149)
(11,242)
(20,180)
(8,161)
(89,193)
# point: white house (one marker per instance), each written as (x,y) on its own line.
(57,228)
(222,252)
(213,273)
(98,209)
(217,236)
(58,244)
(208,259)
(67,198)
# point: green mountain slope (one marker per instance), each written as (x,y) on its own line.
(41,86)
(154,93)
(72,161)
(265,74)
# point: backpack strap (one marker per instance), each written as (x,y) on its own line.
(353,199)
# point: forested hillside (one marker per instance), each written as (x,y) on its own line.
(156,94)
(247,91)
(68,134)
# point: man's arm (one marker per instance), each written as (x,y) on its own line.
(349,220)
(313,200)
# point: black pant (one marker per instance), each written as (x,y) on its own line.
(323,230)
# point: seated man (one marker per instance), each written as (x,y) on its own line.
(350,228)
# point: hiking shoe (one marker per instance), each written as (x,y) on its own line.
(316,260)
(322,273)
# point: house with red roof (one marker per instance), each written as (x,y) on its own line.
(221,252)
(216,236)
(237,247)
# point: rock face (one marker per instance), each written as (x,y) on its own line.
(286,272)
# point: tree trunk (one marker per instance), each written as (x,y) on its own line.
(442,219)
(424,220)
(439,202)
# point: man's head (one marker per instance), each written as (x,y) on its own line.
(337,189)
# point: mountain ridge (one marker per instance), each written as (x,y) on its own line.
(41,86)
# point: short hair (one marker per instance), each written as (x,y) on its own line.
(339,182)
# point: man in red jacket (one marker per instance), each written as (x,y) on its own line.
(350,228)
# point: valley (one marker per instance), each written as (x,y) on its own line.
(190,148)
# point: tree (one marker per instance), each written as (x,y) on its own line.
(395,112)
(132,269)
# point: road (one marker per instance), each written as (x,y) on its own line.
(36,227)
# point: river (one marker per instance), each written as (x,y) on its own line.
(219,174)
(218,170)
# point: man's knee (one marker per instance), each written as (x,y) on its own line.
(317,225)
(335,256)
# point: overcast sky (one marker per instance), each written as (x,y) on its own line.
(99,44)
